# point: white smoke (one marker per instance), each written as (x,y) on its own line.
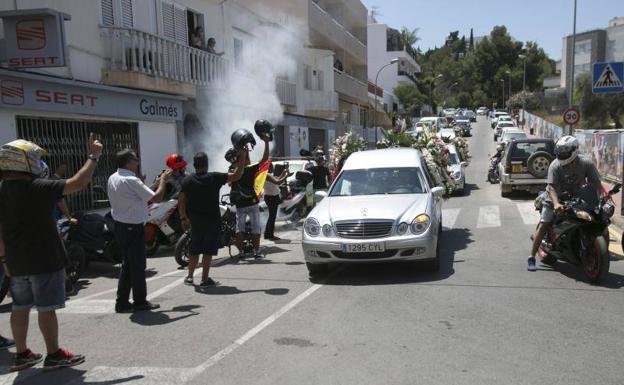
(250,91)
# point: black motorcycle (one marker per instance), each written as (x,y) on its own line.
(577,234)
(227,236)
(92,238)
(493,177)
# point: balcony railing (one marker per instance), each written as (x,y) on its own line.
(348,85)
(286,91)
(325,24)
(136,51)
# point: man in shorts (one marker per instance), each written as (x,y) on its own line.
(198,204)
(30,249)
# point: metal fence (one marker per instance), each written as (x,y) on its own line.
(65,140)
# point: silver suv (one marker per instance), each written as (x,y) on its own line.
(524,165)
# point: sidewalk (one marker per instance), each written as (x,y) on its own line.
(615,246)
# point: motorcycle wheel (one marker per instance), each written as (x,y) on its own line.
(77,261)
(4,288)
(596,261)
(151,247)
(181,252)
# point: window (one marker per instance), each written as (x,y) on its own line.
(313,79)
(379,181)
(583,46)
(118,13)
(174,22)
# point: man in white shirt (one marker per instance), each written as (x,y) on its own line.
(129,197)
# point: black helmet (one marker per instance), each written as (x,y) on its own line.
(231,155)
(264,129)
(241,138)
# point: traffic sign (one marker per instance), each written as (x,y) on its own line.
(608,78)
(571,116)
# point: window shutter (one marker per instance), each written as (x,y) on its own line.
(321,79)
(107,12)
(307,82)
(127,19)
(167,20)
(181,30)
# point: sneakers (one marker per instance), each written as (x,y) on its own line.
(147,306)
(258,255)
(123,307)
(188,281)
(531,264)
(207,283)
(26,359)
(62,359)
(6,343)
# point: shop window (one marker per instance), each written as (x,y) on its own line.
(65,140)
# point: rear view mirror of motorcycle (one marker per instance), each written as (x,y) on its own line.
(616,189)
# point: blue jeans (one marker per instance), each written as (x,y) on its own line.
(44,291)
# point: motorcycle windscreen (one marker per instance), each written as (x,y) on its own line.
(589,196)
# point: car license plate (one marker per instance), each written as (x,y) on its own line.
(376,247)
(517,168)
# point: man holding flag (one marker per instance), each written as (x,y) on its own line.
(249,189)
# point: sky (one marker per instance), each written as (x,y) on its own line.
(543,21)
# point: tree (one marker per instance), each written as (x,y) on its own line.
(597,110)
(471,43)
(410,96)
(409,37)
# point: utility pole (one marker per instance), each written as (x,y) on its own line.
(393,61)
(571,97)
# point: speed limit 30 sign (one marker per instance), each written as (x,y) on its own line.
(571,116)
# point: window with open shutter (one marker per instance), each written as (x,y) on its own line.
(174,22)
(167,20)
(181,29)
(108,17)
(127,17)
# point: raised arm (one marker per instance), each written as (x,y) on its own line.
(240,167)
(83,177)
(162,187)
(267,151)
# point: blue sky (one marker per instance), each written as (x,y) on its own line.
(543,21)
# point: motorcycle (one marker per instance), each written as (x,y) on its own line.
(297,198)
(91,239)
(577,233)
(493,176)
(227,235)
(163,226)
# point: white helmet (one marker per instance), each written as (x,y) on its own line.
(566,150)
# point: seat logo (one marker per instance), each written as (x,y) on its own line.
(12,92)
(31,34)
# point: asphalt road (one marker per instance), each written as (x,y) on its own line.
(483,319)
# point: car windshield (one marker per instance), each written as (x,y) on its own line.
(453,158)
(378,181)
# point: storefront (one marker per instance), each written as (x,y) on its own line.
(59,114)
(300,132)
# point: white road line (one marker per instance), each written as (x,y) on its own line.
(196,371)
(489,216)
(529,215)
(449,217)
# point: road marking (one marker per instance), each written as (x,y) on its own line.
(528,213)
(449,217)
(196,371)
(489,216)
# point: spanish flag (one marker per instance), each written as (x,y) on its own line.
(260,178)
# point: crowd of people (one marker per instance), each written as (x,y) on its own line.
(33,254)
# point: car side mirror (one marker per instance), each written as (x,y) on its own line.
(438,192)
(320,195)
(464,164)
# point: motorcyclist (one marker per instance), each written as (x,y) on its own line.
(177,164)
(566,174)
(499,153)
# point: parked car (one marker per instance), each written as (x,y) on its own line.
(499,128)
(471,115)
(497,115)
(436,122)
(465,124)
(457,169)
(524,165)
(382,207)
(482,111)
(512,133)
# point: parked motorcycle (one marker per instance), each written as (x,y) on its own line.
(92,239)
(163,226)
(577,233)
(227,236)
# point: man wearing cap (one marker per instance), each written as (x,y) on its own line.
(30,249)
(129,197)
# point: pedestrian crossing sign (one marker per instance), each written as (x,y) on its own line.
(608,78)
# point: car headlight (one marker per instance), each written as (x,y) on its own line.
(328,231)
(312,227)
(420,224)
(402,228)
(456,175)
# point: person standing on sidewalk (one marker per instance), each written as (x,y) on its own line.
(129,198)
(198,204)
(272,200)
(30,249)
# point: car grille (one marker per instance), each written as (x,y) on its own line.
(364,230)
(383,254)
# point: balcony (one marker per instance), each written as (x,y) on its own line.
(350,87)
(320,104)
(142,60)
(323,24)
(286,91)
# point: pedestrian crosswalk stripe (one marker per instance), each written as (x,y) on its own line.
(489,216)
(528,213)
(449,217)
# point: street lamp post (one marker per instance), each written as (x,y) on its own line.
(571,97)
(508,72)
(449,91)
(431,91)
(524,57)
(393,61)
(503,81)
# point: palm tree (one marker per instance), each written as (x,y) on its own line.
(409,37)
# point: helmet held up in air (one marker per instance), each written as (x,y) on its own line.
(241,138)
(231,155)
(264,129)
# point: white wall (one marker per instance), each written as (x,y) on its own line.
(299,138)
(615,43)
(8,131)
(157,140)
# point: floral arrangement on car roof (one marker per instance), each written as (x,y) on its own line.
(344,146)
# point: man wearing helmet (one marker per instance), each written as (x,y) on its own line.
(31,251)
(177,164)
(566,174)
(320,172)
